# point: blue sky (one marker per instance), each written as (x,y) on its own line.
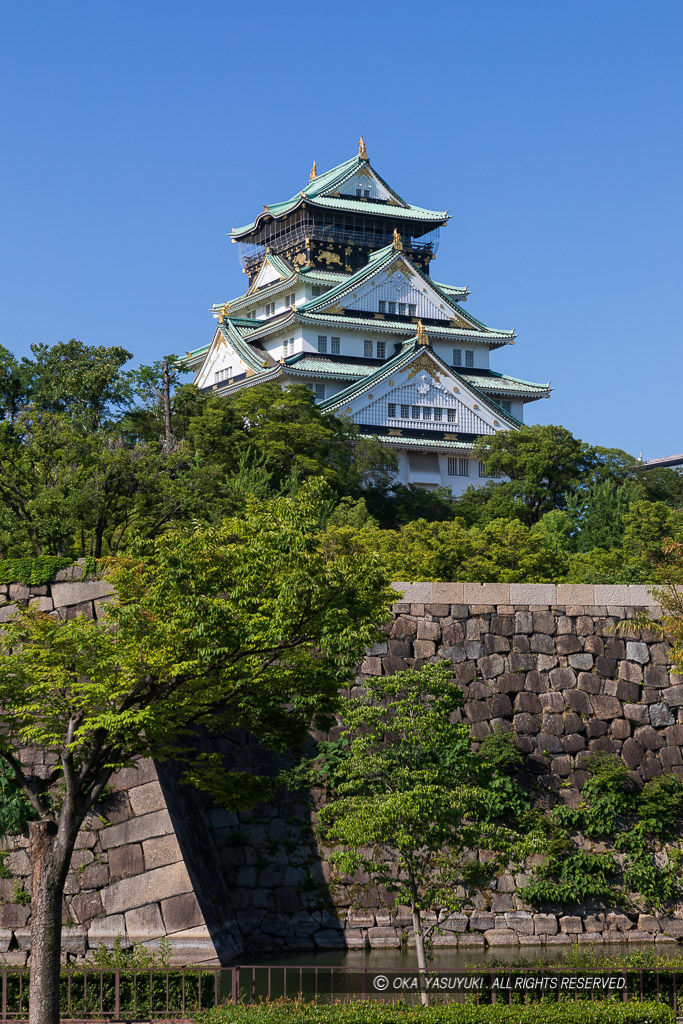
(137,134)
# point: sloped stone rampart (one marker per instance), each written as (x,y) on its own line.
(541,661)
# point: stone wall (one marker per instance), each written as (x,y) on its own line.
(541,661)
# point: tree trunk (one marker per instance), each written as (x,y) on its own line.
(167,407)
(418,931)
(50,851)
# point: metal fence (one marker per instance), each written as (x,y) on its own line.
(180,992)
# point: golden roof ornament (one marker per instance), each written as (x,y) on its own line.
(314,171)
(422,338)
(224,311)
(362,151)
(398,241)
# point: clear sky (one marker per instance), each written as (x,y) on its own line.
(135,135)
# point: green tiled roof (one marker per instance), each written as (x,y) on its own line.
(312,363)
(402,327)
(313,193)
(451,290)
(419,442)
(500,382)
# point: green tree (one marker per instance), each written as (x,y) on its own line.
(411,787)
(542,463)
(247,624)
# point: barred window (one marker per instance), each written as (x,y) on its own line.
(316,290)
(452,416)
(322,343)
(367,349)
(458,467)
(416,412)
(469,357)
(335,345)
(507,406)
(426,413)
(392,308)
(405,412)
(411,309)
(381,349)
(438,414)
(319,391)
(382,306)
(457,357)
(392,411)
(221,375)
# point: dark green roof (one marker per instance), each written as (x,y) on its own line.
(329,181)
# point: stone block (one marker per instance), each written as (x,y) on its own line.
(606,707)
(637,652)
(380,938)
(66,594)
(94,876)
(160,851)
(674,696)
(354,938)
(579,594)
(670,758)
(528,702)
(5,939)
(619,921)
(571,925)
(415,593)
(13,916)
(181,912)
(486,593)
(620,729)
(125,861)
(632,753)
(542,643)
(86,906)
(656,676)
(428,630)
(501,937)
(660,716)
(470,941)
(162,883)
(511,682)
(648,738)
(648,923)
(545,924)
(454,923)
(552,702)
(583,662)
(562,679)
(533,593)
(526,724)
(136,829)
(630,671)
(568,644)
(481,921)
(7,612)
(492,666)
(146,798)
(144,923)
(447,593)
(521,921)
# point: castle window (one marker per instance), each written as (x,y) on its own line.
(270,309)
(359,193)
(416,412)
(367,349)
(405,412)
(221,375)
(381,349)
(392,308)
(335,344)
(319,390)
(457,357)
(382,306)
(426,413)
(392,411)
(507,406)
(402,309)
(483,471)
(452,416)
(289,299)
(411,309)
(322,343)
(438,414)
(316,290)
(469,357)
(366,193)
(458,467)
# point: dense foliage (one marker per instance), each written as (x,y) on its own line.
(546,1012)
(89,461)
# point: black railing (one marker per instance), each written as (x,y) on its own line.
(180,992)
